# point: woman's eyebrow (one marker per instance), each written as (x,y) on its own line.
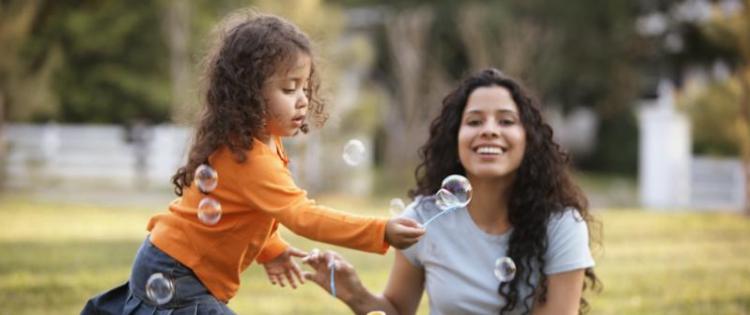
(474,112)
(506,111)
(499,111)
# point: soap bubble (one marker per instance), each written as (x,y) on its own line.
(454,192)
(354,152)
(209,211)
(159,289)
(505,269)
(397,206)
(206,178)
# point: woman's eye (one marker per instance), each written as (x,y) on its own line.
(288,91)
(474,122)
(507,122)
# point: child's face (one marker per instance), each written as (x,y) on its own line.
(285,94)
(491,139)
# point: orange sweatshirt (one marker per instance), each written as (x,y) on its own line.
(255,197)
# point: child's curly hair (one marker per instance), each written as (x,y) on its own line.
(249,48)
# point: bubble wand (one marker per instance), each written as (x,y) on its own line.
(455,192)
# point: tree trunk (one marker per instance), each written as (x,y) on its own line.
(744,137)
(745,102)
(407,36)
(746,163)
(2,127)
(513,53)
(177,29)
(2,140)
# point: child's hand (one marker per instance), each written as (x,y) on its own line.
(283,265)
(402,232)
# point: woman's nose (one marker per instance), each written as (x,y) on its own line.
(490,130)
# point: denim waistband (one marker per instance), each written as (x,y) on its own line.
(150,260)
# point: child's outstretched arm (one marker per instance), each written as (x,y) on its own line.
(265,184)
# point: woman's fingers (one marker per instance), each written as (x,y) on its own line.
(312,256)
(330,257)
(319,278)
(316,277)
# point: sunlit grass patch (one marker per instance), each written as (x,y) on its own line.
(54,257)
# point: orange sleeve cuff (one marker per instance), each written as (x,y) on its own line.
(273,248)
(381,231)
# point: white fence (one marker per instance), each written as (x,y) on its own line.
(717,183)
(670,177)
(71,156)
(101,155)
(106,156)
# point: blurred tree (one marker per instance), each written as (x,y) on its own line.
(115,66)
(731,31)
(104,62)
(713,112)
(417,82)
(574,54)
(177,30)
(23,81)
(22,78)
(14,27)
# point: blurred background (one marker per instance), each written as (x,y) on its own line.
(651,99)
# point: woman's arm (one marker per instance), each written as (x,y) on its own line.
(401,296)
(563,294)
(405,286)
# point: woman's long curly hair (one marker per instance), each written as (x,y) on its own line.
(249,48)
(542,187)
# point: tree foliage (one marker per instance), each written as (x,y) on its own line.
(575,54)
(113,61)
(100,61)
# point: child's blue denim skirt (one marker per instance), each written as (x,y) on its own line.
(190,296)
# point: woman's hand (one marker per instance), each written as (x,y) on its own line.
(283,266)
(405,284)
(403,232)
(347,282)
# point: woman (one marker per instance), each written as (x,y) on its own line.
(525,206)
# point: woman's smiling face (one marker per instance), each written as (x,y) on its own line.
(491,138)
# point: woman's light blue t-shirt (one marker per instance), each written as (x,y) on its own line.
(458,258)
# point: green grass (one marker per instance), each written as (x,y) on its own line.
(54,257)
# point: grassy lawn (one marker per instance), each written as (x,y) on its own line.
(54,257)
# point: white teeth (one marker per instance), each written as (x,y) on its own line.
(489,150)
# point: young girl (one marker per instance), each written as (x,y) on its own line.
(524,206)
(261,86)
